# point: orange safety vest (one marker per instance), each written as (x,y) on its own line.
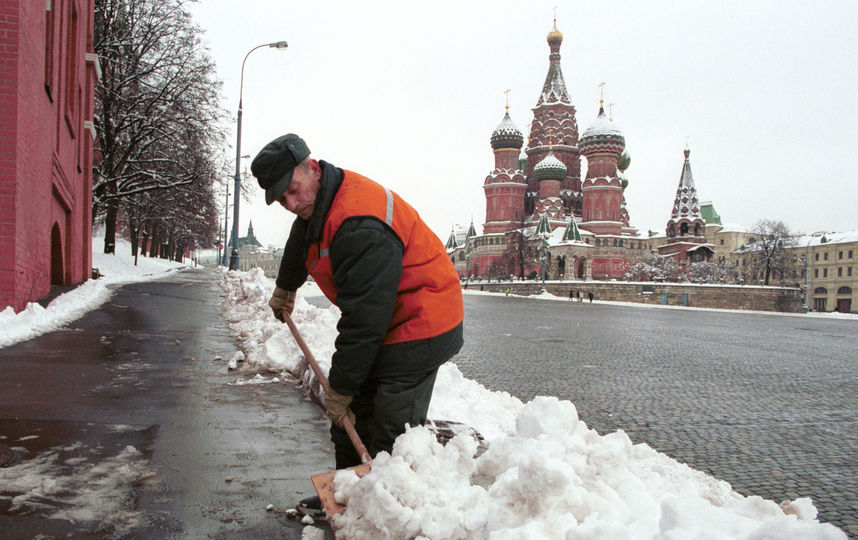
(429,298)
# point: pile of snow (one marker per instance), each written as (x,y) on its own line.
(35,320)
(545,473)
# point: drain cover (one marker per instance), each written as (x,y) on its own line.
(7,456)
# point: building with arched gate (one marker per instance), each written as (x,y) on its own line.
(47,78)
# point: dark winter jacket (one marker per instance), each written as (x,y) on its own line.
(370,254)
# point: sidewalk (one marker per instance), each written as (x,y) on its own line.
(127,423)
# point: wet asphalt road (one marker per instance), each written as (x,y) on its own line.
(768,403)
(148,370)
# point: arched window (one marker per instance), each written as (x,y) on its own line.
(683,229)
(820,290)
(844,290)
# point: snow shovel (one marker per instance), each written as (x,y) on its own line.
(324,482)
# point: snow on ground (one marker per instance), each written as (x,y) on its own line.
(95,495)
(35,320)
(77,482)
(545,473)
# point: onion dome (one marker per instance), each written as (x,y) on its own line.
(624,160)
(550,168)
(555,36)
(602,137)
(507,135)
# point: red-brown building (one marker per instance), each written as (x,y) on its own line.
(47,75)
(686,228)
(587,233)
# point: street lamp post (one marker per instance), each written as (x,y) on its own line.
(233,260)
(804,295)
(543,231)
(467,262)
(544,243)
(226,218)
(225,229)
(804,306)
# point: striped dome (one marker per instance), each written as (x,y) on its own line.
(602,137)
(549,168)
(507,135)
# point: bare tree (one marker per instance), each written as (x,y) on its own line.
(712,272)
(769,253)
(653,267)
(158,107)
(520,248)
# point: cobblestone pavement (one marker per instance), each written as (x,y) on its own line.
(765,402)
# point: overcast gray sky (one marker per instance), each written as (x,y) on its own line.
(408,93)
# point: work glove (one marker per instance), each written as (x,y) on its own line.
(282,300)
(337,406)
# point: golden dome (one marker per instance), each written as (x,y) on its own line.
(555,35)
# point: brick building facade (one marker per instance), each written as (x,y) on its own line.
(47,76)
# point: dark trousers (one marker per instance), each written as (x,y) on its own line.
(382,408)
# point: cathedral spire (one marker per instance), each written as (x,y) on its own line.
(686,205)
(554,89)
(572,233)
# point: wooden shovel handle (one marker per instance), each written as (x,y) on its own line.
(347,423)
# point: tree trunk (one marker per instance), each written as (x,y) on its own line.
(134,233)
(110,228)
(155,242)
(144,243)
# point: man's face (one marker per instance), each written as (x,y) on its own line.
(300,197)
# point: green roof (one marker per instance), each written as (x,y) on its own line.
(543,228)
(709,214)
(572,233)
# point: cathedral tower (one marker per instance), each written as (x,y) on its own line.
(686,222)
(603,208)
(686,228)
(549,174)
(505,186)
(554,119)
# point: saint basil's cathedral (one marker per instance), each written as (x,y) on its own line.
(536,198)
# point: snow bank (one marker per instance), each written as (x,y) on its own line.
(35,320)
(545,473)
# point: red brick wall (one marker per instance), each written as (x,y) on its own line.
(45,159)
(8,128)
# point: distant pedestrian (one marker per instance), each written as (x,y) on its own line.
(590,296)
(578,296)
(506,291)
(571,295)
